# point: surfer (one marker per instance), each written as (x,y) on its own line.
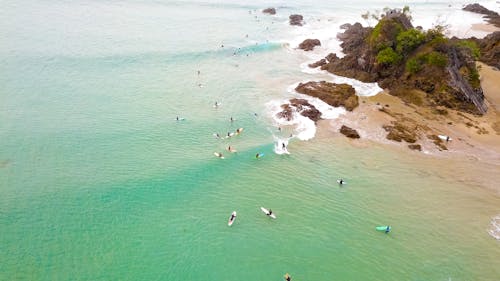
(270,212)
(177,118)
(232,217)
(341,181)
(199,72)
(447,138)
(220,155)
(231,119)
(288,277)
(387,229)
(283,145)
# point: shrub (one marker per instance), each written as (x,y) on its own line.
(437,59)
(409,40)
(413,65)
(388,57)
(472,46)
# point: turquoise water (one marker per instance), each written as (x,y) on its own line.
(99,182)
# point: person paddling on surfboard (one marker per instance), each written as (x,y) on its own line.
(270,212)
(388,229)
(341,181)
(288,277)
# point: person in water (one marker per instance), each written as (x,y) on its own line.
(341,181)
(387,229)
(288,277)
(283,145)
(177,118)
(447,138)
(231,119)
(270,212)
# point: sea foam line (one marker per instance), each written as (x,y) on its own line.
(494,230)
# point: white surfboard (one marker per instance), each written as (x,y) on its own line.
(238,131)
(180,119)
(445,138)
(218,154)
(232,150)
(232,218)
(266,211)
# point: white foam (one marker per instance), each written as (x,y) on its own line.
(278,145)
(304,128)
(494,230)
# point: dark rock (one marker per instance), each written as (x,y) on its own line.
(303,107)
(321,62)
(415,147)
(296,20)
(331,93)
(309,44)
(271,11)
(491,16)
(348,132)
(490,49)
(476,8)
(331,57)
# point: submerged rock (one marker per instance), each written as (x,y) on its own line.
(349,132)
(309,44)
(415,147)
(271,11)
(321,62)
(296,20)
(301,106)
(331,93)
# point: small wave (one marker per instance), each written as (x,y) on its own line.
(278,145)
(494,230)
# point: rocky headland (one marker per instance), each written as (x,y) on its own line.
(491,16)
(432,79)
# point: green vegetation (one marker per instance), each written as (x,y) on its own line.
(437,59)
(384,34)
(388,56)
(409,40)
(413,65)
(472,46)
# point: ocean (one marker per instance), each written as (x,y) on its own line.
(99,181)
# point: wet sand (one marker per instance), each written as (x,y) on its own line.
(484,27)
(475,139)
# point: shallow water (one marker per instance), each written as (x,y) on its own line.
(99,181)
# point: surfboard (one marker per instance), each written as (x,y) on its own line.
(266,211)
(230,135)
(180,119)
(259,155)
(383,228)
(218,154)
(443,137)
(231,221)
(238,131)
(232,150)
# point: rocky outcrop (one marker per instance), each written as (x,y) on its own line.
(398,131)
(331,93)
(296,20)
(403,59)
(490,49)
(458,81)
(309,44)
(301,106)
(348,132)
(491,16)
(321,62)
(271,11)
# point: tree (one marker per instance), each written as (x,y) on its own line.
(388,57)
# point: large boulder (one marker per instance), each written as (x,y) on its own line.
(309,44)
(296,20)
(331,93)
(349,132)
(321,62)
(271,11)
